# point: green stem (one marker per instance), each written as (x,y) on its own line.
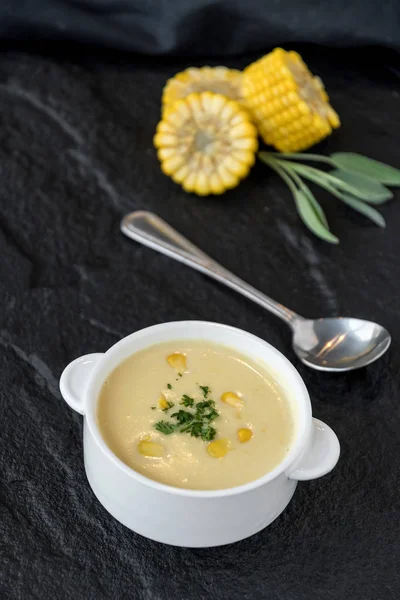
(319,181)
(307,206)
(306,190)
(321,178)
(299,156)
(343,195)
(282,173)
(298,181)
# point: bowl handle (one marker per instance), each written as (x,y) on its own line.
(74,380)
(320,457)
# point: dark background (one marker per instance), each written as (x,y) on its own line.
(203,27)
(76,154)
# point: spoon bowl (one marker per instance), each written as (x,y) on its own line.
(338,344)
(335,344)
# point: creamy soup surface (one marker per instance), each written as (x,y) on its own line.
(237,424)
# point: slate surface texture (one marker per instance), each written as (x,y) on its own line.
(76,154)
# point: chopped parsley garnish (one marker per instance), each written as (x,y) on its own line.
(170,405)
(210,416)
(169,386)
(208,434)
(198,423)
(205,389)
(187,400)
(201,407)
(196,429)
(165,427)
(153,407)
(183,416)
(180,374)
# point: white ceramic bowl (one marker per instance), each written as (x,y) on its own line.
(194,518)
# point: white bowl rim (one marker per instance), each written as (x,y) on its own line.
(298,445)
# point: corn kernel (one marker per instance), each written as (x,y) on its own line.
(232,399)
(147,448)
(177,361)
(244,435)
(218,448)
(162,403)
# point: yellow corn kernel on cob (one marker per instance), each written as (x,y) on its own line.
(206,143)
(289,106)
(219,80)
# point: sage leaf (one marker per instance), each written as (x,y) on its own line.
(367,166)
(375,192)
(316,206)
(326,180)
(364,209)
(310,217)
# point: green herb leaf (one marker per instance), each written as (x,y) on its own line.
(201,408)
(170,405)
(367,166)
(356,204)
(196,429)
(306,204)
(196,424)
(183,416)
(165,427)
(374,192)
(208,434)
(205,389)
(187,400)
(326,180)
(292,179)
(187,427)
(210,416)
(153,407)
(316,205)
(364,209)
(310,219)
(169,386)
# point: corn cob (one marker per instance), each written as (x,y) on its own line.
(219,80)
(289,106)
(206,143)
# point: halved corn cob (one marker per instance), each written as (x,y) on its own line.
(219,80)
(289,106)
(206,143)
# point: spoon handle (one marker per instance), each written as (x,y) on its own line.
(149,229)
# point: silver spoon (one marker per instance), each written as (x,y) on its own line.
(332,344)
